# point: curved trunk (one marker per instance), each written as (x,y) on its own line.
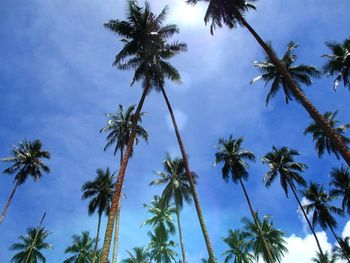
(180,235)
(120,180)
(340,244)
(210,250)
(97,238)
(309,107)
(8,203)
(266,246)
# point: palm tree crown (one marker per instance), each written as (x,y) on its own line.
(343,251)
(341,183)
(82,249)
(161,249)
(323,258)
(238,248)
(139,255)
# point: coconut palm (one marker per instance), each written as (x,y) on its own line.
(341,183)
(82,249)
(323,258)
(177,189)
(238,248)
(26,161)
(160,248)
(320,205)
(139,255)
(233,156)
(232,14)
(323,143)
(146,51)
(30,246)
(274,238)
(281,162)
(338,252)
(100,191)
(338,62)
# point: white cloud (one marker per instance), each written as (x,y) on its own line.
(301,216)
(346,230)
(181,119)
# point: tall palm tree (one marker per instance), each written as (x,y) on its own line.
(146,50)
(274,238)
(281,162)
(323,143)
(100,191)
(82,249)
(238,248)
(30,246)
(338,252)
(323,258)
(119,126)
(233,156)
(339,62)
(177,189)
(341,183)
(232,14)
(26,161)
(319,203)
(160,248)
(139,255)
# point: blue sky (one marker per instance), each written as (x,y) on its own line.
(57,83)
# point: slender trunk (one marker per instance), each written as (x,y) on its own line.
(305,215)
(35,238)
(8,203)
(266,246)
(180,235)
(210,250)
(97,238)
(121,175)
(309,107)
(340,244)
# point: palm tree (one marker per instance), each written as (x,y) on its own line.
(323,258)
(322,141)
(82,249)
(232,14)
(341,183)
(139,255)
(281,162)
(100,191)
(233,156)
(338,252)
(30,246)
(319,203)
(338,62)
(274,238)
(146,50)
(177,189)
(238,248)
(160,248)
(25,161)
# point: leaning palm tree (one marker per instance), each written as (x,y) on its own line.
(100,191)
(146,51)
(82,249)
(139,255)
(232,14)
(25,162)
(323,258)
(30,246)
(160,248)
(238,248)
(339,252)
(274,239)
(338,62)
(320,205)
(281,162)
(233,156)
(323,143)
(177,189)
(341,183)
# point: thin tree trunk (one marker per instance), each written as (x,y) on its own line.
(267,248)
(309,107)
(340,245)
(8,203)
(180,234)
(305,215)
(210,250)
(97,238)
(121,175)
(36,236)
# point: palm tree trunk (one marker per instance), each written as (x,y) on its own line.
(8,203)
(309,107)
(180,234)
(120,180)
(210,250)
(267,248)
(307,219)
(340,245)
(97,238)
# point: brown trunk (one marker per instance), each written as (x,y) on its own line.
(309,107)
(340,245)
(118,187)
(210,250)
(8,203)
(97,238)
(268,251)
(180,235)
